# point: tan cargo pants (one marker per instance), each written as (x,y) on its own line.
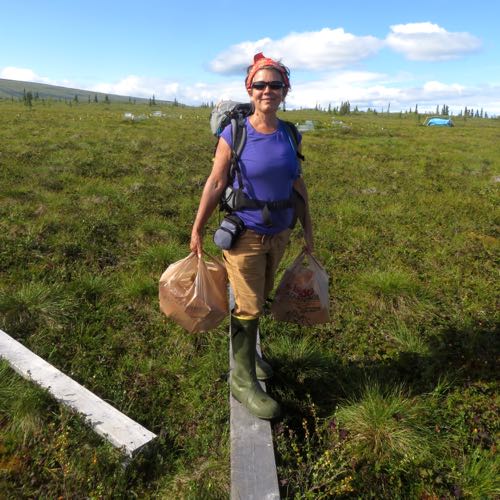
(251,267)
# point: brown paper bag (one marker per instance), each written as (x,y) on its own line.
(193,292)
(302,295)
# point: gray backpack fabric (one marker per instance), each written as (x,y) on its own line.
(225,111)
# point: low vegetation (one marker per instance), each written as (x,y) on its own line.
(396,398)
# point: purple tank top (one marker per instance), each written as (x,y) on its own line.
(269,166)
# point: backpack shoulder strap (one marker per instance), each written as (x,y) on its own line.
(239,137)
(293,134)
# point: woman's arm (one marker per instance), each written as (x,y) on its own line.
(300,186)
(212,192)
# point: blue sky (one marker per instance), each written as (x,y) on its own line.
(374,54)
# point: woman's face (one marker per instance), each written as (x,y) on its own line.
(267,100)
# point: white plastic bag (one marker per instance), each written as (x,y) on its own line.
(302,295)
(193,292)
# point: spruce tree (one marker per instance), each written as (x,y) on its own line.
(345,108)
(29,99)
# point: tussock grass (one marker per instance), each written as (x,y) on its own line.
(298,359)
(479,477)
(392,290)
(137,287)
(408,340)
(21,407)
(34,305)
(92,287)
(385,426)
(160,256)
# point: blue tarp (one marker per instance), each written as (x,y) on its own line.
(439,122)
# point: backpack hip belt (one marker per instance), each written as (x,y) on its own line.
(235,199)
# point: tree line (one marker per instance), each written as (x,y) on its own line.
(345,108)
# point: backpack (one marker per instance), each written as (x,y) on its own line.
(234,113)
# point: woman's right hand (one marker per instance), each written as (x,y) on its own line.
(196,244)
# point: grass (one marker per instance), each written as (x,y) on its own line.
(396,398)
(32,306)
(479,475)
(385,426)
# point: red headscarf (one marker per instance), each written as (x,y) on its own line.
(260,61)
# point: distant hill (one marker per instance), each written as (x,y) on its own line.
(15,89)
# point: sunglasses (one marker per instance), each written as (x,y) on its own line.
(274,85)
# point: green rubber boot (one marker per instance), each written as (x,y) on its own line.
(244,385)
(262,369)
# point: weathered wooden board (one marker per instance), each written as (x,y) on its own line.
(253,465)
(117,428)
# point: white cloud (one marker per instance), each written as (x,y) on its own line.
(362,88)
(370,90)
(434,87)
(137,86)
(23,75)
(130,85)
(28,75)
(170,90)
(313,50)
(430,42)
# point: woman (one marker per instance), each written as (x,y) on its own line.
(271,171)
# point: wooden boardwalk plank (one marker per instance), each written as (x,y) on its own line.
(107,421)
(253,465)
